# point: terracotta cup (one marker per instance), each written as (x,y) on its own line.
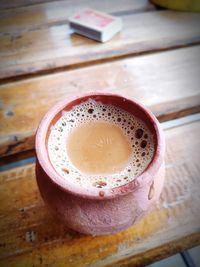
(100,211)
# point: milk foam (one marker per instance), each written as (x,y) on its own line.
(139,136)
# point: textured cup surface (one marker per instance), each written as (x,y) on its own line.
(100,211)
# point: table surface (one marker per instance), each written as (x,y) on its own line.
(154,59)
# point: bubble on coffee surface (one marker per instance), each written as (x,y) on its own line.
(140,138)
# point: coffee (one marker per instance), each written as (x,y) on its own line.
(98,148)
(99,145)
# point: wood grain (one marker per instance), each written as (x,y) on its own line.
(167,82)
(30,236)
(20,3)
(43,15)
(170,110)
(55,48)
(47,6)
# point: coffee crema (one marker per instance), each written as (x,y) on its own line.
(100,145)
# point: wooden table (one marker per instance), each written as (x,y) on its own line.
(155,59)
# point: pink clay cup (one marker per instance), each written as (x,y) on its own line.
(100,211)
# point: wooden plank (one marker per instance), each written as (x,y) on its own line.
(30,236)
(48,5)
(57,13)
(167,82)
(56,48)
(20,3)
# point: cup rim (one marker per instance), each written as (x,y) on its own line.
(96,193)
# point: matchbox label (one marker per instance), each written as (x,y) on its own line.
(93,18)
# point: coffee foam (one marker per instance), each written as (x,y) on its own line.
(139,136)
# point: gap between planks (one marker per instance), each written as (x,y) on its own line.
(170,88)
(142,33)
(27,157)
(58,13)
(19,157)
(48,71)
